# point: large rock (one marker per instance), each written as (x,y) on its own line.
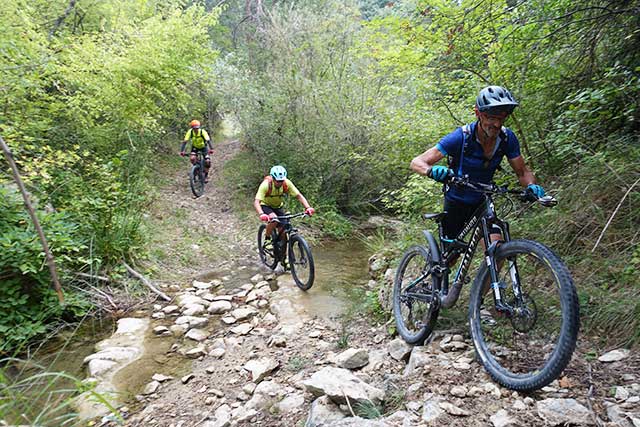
(340,384)
(219,307)
(503,419)
(419,358)
(242,329)
(614,355)
(244,313)
(265,395)
(431,410)
(192,321)
(222,417)
(189,299)
(323,412)
(378,263)
(399,349)
(292,403)
(352,358)
(197,334)
(193,309)
(563,411)
(261,368)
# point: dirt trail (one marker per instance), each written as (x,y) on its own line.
(219,381)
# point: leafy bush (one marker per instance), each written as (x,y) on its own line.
(26,298)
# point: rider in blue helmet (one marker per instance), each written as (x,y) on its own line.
(269,200)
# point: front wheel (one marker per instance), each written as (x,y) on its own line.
(301,261)
(415,304)
(527,346)
(196,180)
(266,248)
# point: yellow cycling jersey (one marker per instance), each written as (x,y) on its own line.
(198,138)
(275,199)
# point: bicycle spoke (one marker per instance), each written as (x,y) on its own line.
(413,296)
(527,347)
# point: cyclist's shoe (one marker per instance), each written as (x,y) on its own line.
(206,179)
(286,266)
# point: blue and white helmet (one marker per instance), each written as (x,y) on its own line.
(278,173)
(495,99)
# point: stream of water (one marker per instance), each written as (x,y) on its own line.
(341,273)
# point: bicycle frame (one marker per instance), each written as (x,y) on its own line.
(287,228)
(478,227)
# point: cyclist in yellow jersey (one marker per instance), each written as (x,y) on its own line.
(269,200)
(200,141)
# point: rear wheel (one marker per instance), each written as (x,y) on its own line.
(266,248)
(529,347)
(414,291)
(196,180)
(301,261)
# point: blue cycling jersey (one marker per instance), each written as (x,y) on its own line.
(471,160)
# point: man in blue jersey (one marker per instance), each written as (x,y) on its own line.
(476,150)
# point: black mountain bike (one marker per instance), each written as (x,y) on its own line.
(274,250)
(197,176)
(526,336)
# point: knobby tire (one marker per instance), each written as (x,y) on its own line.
(513,350)
(301,262)
(266,248)
(415,318)
(196,180)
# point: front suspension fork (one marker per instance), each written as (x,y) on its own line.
(496,286)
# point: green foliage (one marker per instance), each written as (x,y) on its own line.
(368,410)
(305,101)
(26,297)
(297,363)
(333,224)
(418,196)
(87,91)
(343,340)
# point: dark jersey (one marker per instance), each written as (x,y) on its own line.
(471,161)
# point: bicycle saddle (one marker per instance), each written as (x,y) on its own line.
(435,216)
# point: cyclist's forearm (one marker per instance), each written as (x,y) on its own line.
(257,206)
(184,144)
(303,201)
(209,144)
(526,177)
(422,164)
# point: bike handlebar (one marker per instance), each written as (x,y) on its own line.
(290,216)
(524,195)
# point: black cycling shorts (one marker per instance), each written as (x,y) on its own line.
(278,211)
(457,216)
(204,151)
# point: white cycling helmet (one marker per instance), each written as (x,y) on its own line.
(278,173)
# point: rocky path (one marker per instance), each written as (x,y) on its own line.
(252,356)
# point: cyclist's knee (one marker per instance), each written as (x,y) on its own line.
(207,162)
(192,158)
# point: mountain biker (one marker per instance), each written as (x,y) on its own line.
(269,200)
(476,150)
(200,141)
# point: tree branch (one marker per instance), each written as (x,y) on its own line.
(146,282)
(43,240)
(60,20)
(614,214)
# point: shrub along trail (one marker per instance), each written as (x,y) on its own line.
(248,354)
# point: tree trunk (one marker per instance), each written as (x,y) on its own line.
(43,240)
